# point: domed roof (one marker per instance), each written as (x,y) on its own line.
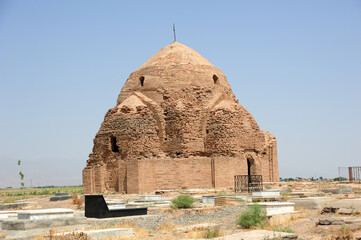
(175,54)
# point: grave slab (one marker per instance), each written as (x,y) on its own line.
(45,213)
(61,194)
(266,199)
(265,193)
(208,199)
(113,206)
(346,211)
(104,233)
(311,202)
(274,208)
(60,198)
(8,214)
(337,190)
(36,232)
(12,205)
(347,203)
(20,224)
(150,197)
(96,207)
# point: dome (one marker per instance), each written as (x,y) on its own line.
(175,54)
(174,67)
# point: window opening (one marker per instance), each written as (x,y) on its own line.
(113,141)
(215,79)
(141,79)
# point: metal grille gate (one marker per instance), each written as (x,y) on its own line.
(248,183)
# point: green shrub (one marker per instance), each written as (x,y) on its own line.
(182,201)
(253,216)
(212,232)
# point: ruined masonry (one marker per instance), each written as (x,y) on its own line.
(177,124)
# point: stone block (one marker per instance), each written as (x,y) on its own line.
(346,211)
(311,202)
(45,214)
(62,194)
(330,221)
(208,200)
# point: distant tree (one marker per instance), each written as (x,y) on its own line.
(340,179)
(21,175)
(288,179)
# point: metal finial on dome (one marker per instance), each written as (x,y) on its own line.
(175,39)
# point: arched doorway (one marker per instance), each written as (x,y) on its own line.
(250,166)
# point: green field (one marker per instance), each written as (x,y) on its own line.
(40,191)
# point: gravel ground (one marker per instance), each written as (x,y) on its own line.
(224,217)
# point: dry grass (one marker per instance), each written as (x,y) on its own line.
(208,233)
(343,233)
(285,219)
(166,227)
(2,235)
(52,235)
(140,232)
(77,201)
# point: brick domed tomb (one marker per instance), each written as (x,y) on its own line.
(177,124)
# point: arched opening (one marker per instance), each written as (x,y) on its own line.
(215,79)
(141,79)
(250,167)
(113,142)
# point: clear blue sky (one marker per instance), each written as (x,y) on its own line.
(295,65)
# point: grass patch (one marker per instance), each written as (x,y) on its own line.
(254,216)
(285,229)
(10,200)
(212,232)
(182,201)
(221,193)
